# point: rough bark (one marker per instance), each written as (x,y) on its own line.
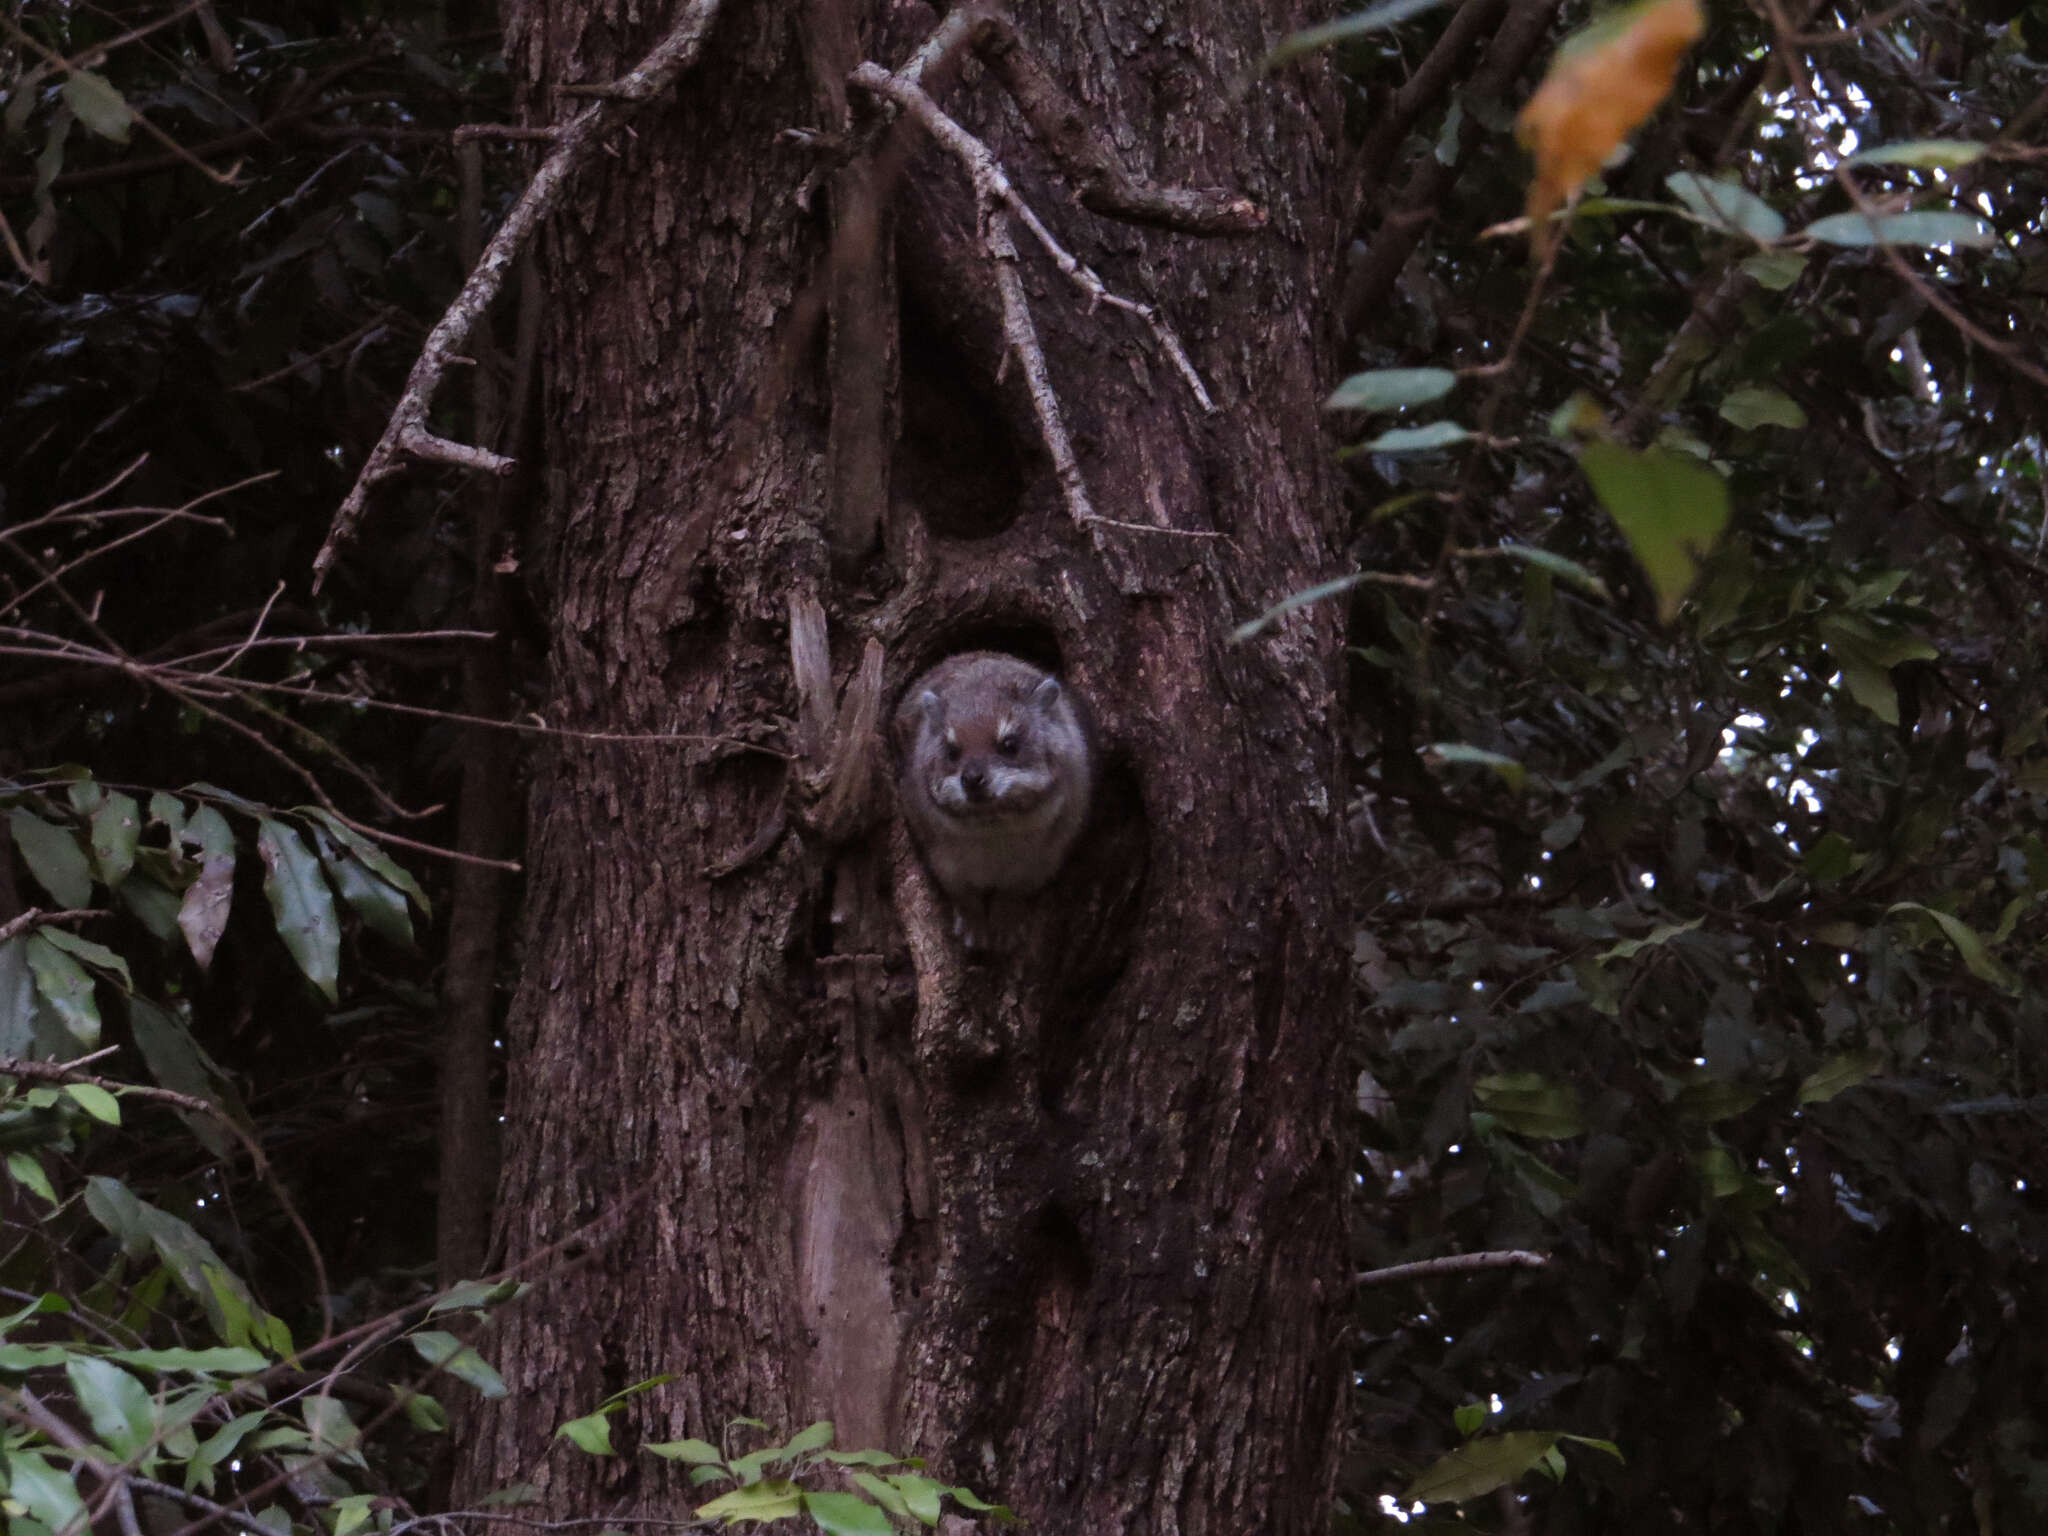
(1068,1224)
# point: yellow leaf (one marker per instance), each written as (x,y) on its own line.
(1602,85)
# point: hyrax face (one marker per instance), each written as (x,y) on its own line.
(989,763)
(996,775)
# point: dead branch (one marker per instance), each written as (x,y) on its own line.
(995,191)
(1100,180)
(1453,1264)
(579,142)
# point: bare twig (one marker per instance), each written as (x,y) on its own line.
(35,917)
(580,141)
(161,517)
(469,132)
(1454,1264)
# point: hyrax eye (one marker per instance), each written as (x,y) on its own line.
(952,751)
(1008,743)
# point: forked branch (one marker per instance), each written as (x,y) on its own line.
(577,144)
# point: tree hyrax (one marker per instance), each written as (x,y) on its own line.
(997,774)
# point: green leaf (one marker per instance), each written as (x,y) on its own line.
(1531,1105)
(1480,1466)
(1566,570)
(1663,933)
(1671,508)
(1705,1100)
(122,1413)
(203,913)
(1294,600)
(168,810)
(476,1294)
(1924,154)
(636,1389)
(592,1433)
(1727,205)
(813,1437)
(1757,405)
(1838,1074)
(178,1063)
(98,105)
(1968,942)
(53,857)
(66,987)
(301,903)
(424,1413)
(775,1499)
(1438,434)
(378,903)
(884,1493)
(697,1453)
(47,1494)
(334,1432)
(96,955)
(1470,1417)
(351,1512)
(1775,270)
(1388,389)
(96,1101)
(846,1514)
(375,859)
(1373,19)
(27,1170)
(458,1360)
(217,1448)
(1929,227)
(1833,858)
(116,826)
(202,1362)
(862,1458)
(967,1498)
(18,1005)
(1512,773)
(154,904)
(235,1315)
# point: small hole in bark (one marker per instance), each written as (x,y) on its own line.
(1062,1249)
(956,463)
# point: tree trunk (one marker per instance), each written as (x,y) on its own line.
(1068,1224)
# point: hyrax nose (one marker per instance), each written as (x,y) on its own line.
(974,779)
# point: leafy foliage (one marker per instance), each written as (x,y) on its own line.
(1701,934)
(884,1498)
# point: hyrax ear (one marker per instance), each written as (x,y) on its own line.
(933,708)
(1045,695)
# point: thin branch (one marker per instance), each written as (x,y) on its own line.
(470,132)
(1454,1264)
(165,515)
(581,140)
(35,917)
